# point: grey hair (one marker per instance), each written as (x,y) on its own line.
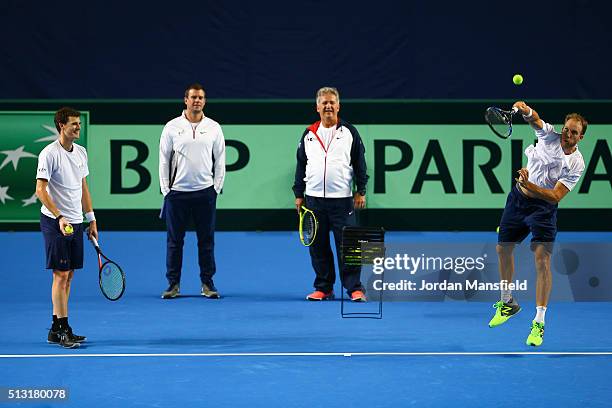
(328,90)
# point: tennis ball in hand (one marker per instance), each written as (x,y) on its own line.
(68,229)
(517,79)
(497,229)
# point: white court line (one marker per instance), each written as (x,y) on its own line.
(345,354)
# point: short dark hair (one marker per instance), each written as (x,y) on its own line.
(579,118)
(62,115)
(196,86)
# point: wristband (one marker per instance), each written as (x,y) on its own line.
(90,216)
(529,115)
(59,217)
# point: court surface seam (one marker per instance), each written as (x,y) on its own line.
(331,354)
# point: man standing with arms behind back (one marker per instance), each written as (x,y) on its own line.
(62,189)
(191,174)
(330,157)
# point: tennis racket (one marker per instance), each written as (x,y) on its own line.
(308,226)
(500,121)
(111,278)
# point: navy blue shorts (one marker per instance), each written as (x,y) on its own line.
(523,215)
(63,253)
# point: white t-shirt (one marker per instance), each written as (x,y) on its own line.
(326,134)
(547,163)
(65,172)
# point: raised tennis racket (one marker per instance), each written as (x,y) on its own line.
(308,226)
(500,121)
(111,278)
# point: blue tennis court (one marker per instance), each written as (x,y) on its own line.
(262,344)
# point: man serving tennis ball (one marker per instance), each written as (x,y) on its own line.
(554,166)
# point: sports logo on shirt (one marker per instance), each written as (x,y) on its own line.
(22,138)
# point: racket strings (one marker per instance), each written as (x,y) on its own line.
(498,121)
(111,281)
(497,118)
(310,228)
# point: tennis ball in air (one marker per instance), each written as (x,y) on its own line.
(517,79)
(497,229)
(69,229)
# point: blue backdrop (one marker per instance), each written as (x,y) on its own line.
(386,49)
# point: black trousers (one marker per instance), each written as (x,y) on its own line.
(332,214)
(179,208)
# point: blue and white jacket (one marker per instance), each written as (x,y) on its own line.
(329,171)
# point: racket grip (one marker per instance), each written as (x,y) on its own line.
(95,242)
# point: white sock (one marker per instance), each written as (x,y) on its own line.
(506,296)
(540,313)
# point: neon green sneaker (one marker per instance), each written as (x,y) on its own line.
(536,337)
(504,312)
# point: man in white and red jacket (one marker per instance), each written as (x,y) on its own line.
(330,159)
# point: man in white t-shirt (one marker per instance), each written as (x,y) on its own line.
(191,175)
(62,189)
(554,166)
